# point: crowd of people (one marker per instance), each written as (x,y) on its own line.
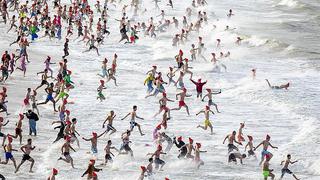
(38,19)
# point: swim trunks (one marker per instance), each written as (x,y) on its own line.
(207,123)
(181,103)
(8,155)
(25,157)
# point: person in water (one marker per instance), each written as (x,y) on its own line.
(285,168)
(283,86)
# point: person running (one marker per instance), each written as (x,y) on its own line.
(232,138)
(159,163)
(283,86)
(210,102)
(165,137)
(133,122)
(99,89)
(8,152)
(65,150)
(143,171)
(53,174)
(49,90)
(125,143)
(107,149)
(285,168)
(182,95)
(199,86)
(240,134)
(207,122)
(94,141)
(2,125)
(91,170)
(266,171)
(265,143)
(26,149)
(163,104)
(181,145)
(197,158)
(18,130)
(251,147)
(110,119)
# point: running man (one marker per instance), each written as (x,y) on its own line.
(159,163)
(210,102)
(107,149)
(251,147)
(8,152)
(232,138)
(207,122)
(133,122)
(182,95)
(49,90)
(110,119)
(94,141)
(266,171)
(285,168)
(26,149)
(266,143)
(65,150)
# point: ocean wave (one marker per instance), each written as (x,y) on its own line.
(290,3)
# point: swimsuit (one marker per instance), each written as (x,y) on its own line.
(25,157)
(207,122)
(94,150)
(265,152)
(8,155)
(181,103)
(49,97)
(265,173)
(110,127)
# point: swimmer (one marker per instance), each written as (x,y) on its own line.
(207,122)
(265,143)
(285,168)
(283,86)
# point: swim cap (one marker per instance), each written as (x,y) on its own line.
(54,171)
(180,138)
(180,52)
(21,116)
(184,89)
(94,134)
(159,147)
(92,161)
(250,138)
(186,59)
(190,140)
(67,112)
(199,80)
(209,90)
(143,168)
(207,107)
(166,179)
(164,94)
(69,72)
(102,81)
(198,145)
(159,126)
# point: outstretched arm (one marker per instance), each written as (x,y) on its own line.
(126,116)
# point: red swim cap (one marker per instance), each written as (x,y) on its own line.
(198,145)
(184,89)
(209,90)
(164,94)
(190,140)
(21,116)
(250,138)
(92,161)
(207,107)
(54,171)
(159,147)
(180,138)
(94,134)
(102,81)
(143,168)
(67,112)
(159,126)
